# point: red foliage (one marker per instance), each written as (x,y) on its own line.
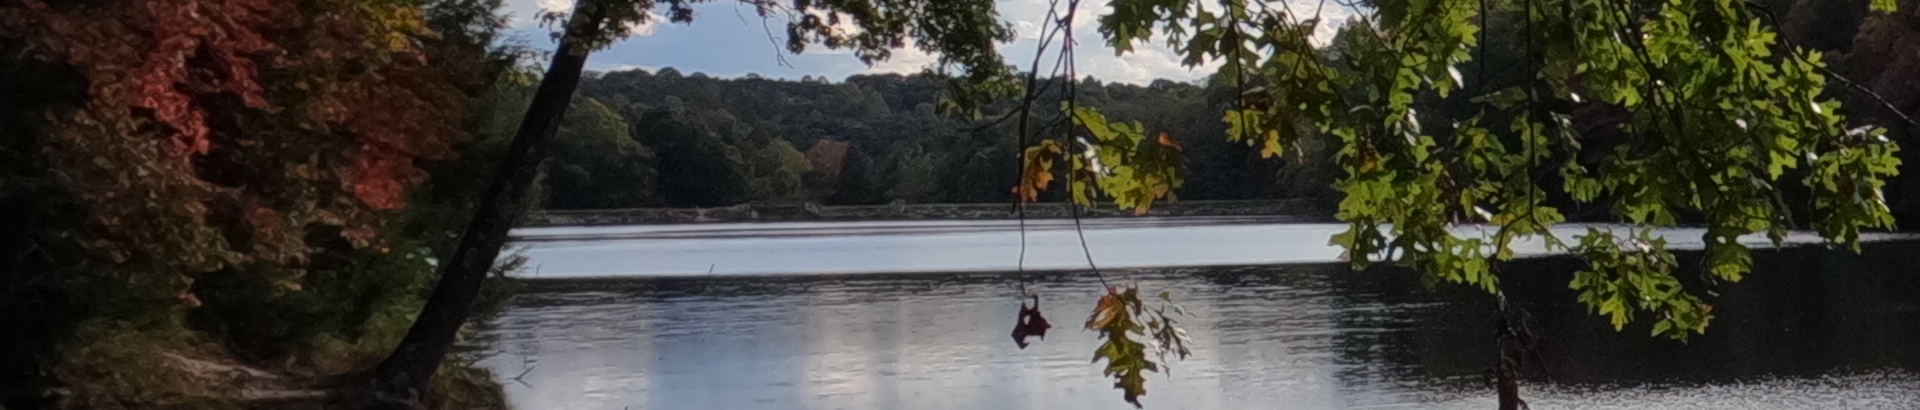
(309,111)
(137,55)
(828,157)
(393,126)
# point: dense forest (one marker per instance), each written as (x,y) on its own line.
(666,139)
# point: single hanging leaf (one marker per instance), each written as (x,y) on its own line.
(1029,323)
(1036,170)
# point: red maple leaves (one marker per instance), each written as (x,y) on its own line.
(305,111)
(155,56)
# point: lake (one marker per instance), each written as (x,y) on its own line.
(916,315)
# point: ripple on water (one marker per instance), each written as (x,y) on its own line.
(1296,337)
(1872,389)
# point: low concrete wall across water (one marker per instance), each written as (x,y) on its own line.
(1302,210)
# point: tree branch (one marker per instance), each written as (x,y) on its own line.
(1912,126)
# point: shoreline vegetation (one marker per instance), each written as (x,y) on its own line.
(1300,210)
(236,204)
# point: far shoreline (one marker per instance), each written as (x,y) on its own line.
(1293,210)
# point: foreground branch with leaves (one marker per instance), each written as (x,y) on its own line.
(1120,317)
(1716,118)
(1719,113)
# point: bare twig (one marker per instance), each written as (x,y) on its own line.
(1025,112)
(521,378)
(1912,126)
(1904,118)
(779,56)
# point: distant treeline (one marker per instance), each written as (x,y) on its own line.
(1267,210)
(665,139)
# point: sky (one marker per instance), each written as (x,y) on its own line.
(728,39)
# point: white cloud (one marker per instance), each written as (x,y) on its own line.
(526,14)
(1151,59)
(610,68)
(522,13)
(1026,30)
(1143,66)
(644,28)
(907,60)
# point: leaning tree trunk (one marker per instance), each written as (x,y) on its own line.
(410,367)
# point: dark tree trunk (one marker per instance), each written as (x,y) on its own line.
(407,372)
(1508,388)
(1511,343)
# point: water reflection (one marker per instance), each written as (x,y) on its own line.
(1813,330)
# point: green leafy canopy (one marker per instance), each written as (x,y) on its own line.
(1717,112)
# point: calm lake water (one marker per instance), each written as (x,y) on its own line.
(916,315)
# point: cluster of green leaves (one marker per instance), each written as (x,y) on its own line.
(1715,129)
(1884,6)
(1718,115)
(1120,317)
(1111,158)
(1618,282)
(1125,165)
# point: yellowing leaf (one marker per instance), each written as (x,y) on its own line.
(1270,146)
(1036,170)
